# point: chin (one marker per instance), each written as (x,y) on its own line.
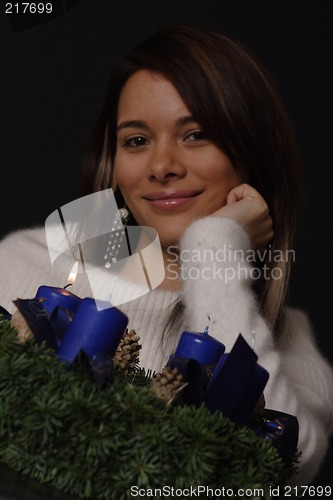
(171,238)
(169,229)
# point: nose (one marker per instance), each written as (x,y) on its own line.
(165,163)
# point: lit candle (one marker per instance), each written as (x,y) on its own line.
(93,330)
(53,297)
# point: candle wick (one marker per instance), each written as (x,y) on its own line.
(207,326)
(253,339)
(69,284)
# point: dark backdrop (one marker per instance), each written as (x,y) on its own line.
(53,81)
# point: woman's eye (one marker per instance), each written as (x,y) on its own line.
(135,142)
(198,135)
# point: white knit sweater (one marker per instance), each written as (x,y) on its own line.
(301,380)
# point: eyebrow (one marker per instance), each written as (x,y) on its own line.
(182,120)
(132,124)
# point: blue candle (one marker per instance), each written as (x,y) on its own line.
(199,346)
(53,297)
(93,330)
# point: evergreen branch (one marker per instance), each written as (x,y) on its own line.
(59,427)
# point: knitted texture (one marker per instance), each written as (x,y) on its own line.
(301,381)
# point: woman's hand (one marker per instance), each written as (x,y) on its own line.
(247,207)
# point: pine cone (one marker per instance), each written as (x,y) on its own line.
(127,353)
(23,330)
(167,385)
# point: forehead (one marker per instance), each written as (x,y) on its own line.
(149,94)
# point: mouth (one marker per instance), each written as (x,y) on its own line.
(172,199)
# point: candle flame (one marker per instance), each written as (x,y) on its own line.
(72,275)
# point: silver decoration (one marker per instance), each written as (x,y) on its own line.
(116,237)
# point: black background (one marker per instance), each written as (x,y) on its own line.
(53,78)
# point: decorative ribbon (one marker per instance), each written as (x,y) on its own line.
(280,428)
(234,387)
(96,333)
(6,315)
(38,320)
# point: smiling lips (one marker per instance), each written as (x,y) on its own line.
(169,200)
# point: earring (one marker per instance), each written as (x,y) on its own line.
(116,237)
(124,216)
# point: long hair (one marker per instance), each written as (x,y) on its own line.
(235,101)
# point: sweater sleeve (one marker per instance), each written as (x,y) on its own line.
(217,278)
(25,265)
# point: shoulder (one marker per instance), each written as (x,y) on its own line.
(27,245)
(17,239)
(23,258)
(296,318)
(297,331)
(298,339)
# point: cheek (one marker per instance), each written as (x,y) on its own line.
(125,178)
(221,182)
(223,177)
(219,168)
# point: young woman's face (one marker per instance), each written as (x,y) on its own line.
(169,173)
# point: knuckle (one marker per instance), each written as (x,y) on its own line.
(264,207)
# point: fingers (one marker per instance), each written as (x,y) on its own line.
(241,192)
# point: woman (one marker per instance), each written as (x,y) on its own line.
(194,140)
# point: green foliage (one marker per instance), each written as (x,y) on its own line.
(59,427)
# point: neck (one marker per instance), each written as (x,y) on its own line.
(171,265)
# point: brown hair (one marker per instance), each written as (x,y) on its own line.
(235,101)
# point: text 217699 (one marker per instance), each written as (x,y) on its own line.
(28,8)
